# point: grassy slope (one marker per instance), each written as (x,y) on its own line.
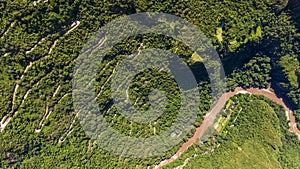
(259,139)
(250,141)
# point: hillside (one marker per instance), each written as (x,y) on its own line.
(248,136)
(40,42)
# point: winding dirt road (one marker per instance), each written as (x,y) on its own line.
(211,116)
(12,113)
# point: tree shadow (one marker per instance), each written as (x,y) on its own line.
(243,54)
(294,7)
(233,60)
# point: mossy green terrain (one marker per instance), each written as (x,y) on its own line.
(258,43)
(255,137)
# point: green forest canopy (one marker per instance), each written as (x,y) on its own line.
(259,46)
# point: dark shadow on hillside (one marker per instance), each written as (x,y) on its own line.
(279,91)
(294,7)
(199,72)
(235,61)
(243,54)
(231,61)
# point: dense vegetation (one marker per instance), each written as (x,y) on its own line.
(253,137)
(39,41)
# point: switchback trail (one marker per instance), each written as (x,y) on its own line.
(211,116)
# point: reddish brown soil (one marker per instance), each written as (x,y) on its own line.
(210,117)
